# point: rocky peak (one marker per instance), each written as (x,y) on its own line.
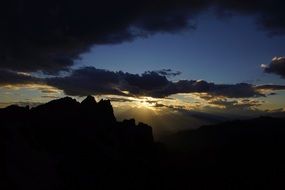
(105,104)
(89,101)
(58,105)
(106,109)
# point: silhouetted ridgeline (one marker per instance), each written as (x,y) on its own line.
(69,145)
(65,144)
(241,154)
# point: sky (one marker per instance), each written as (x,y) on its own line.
(172,64)
(218,50)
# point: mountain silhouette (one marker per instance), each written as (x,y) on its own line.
(239,154)
(65,144)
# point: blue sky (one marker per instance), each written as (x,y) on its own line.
(220,50)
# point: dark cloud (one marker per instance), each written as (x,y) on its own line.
(277,66)
(144,84)
(119,99)
(270,14)
(245,104)
(89,80)
(50,97)
(12,78)
(241,90)
(168,72)
(270,87)
(48,35)
(172,107)
(159,105)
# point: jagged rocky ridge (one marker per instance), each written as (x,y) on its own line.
(64,144)
(69,145)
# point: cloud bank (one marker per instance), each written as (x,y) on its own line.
(48,35)
(15,78)
(89,80)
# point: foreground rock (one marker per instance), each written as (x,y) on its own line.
(64,144)
(69,145)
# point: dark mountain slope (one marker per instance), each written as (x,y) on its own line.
(69,145)
(248,154)
(65,144)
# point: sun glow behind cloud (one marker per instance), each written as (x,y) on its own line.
(187,101)
(28,94)
(173,113)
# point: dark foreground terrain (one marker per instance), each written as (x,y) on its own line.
(69,145)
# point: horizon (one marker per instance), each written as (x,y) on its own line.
(164,63)
(193,94)
(163,124)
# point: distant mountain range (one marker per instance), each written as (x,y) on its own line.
(239,154)
(64,144)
